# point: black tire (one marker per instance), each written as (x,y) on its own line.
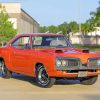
(89,81)
(5,73)
(42,78)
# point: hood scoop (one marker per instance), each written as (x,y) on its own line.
(59,51)
(85,51)
(62,51)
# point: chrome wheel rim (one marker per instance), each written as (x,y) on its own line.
(3,69)
(43,77)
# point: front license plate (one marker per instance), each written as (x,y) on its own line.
(82,73)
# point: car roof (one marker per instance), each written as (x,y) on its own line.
(40,34)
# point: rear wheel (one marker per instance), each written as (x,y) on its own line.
(5,73)
(89,81)
(42,77)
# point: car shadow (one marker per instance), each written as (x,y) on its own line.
(33,81)
(67,82)
(24,78)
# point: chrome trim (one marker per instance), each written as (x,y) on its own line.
(95,66)
(69,67)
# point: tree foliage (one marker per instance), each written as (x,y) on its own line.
(64,27)
(6,27)
(87,27)
(95,16)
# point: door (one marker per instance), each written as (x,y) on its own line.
(22,55)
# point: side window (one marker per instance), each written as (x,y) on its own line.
(37,40)
(22,43)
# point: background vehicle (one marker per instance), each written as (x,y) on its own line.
(48,57)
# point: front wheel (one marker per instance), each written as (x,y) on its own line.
(89,81)
(42,77)
(5,73)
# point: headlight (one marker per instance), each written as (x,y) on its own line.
(94,63)
(64,63)
(61,63)
(58,63)
(98,62)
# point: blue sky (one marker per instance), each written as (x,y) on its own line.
(55,12)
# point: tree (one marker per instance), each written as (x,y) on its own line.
(86,27)
(94,21)
(95,16)
(52,29)
(63,27)
(43,29)
(6,27)
(74,26)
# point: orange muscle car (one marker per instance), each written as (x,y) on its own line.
(48,57)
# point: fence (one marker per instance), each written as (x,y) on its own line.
(86,40)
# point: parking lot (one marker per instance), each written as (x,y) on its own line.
(24,88)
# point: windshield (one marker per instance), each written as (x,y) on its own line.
(50,41)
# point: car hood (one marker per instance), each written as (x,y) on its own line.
(83,54)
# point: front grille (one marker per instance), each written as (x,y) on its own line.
(94,63)
(73,62)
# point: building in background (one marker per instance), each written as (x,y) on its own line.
(90,38)
(21,20)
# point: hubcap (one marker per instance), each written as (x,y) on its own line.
(43,77)
(3,69)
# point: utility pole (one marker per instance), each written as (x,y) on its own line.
(80,26)
(79,17)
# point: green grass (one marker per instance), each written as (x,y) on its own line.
(91,48)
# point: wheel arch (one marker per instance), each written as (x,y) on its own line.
(38,63)
(1,59)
